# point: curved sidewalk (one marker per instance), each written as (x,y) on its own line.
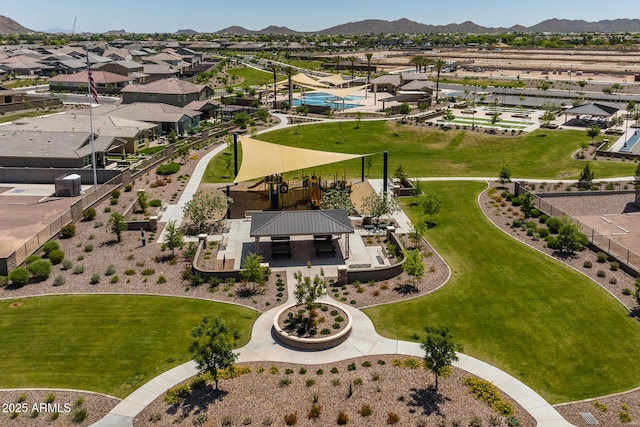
(363,341)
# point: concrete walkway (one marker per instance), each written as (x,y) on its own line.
(363,341)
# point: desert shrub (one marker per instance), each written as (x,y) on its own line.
(393,418)
(56,256)
(155,203)
(475,422)
(535,213)
(162,279)
(334,370)
(58,280)
(168,168)
(95,279)
(554,224)
(587,264)
(325,331)
(67,264)
(291,419)
(128,188)
(19,276)
(130,272)
(68,231)
(79,269)
(366,364)
(113,202)
(351,367)
(88,248)
(111,270)
(79,415)
(600,273)
(176,394)
(148,272)
(314,412)
(302,371)
(284,382)
(319,372)
(614,266)
(365,411)
(114,279)
(310,382)
(601,257)
(50,246)
(89,214)
(626,291)
(542,219)
(40,269)
(543,233)
(4,281)
(613,281)
(31,258)
(624,417)
(343,418)
(490,394)
(115,194)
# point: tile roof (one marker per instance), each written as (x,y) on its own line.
(49,144)
(170,86)
(300,223)
(99,77)
(146,112)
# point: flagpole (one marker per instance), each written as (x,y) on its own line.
(91,94)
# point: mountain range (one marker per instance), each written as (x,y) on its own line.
(403,26)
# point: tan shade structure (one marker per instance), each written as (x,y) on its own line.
(260,159)
(303,80)
(334,80)
(342,93)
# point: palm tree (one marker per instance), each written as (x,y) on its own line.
(338,59)
(274,68)
(289,72)
(439,65)
(417,61)
(353,60)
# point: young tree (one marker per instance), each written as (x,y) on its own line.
(636,174)
(416,231)
(337,199)
(183,153)
(440,351)
(368,163)
(570,239)
(527,204)
(241,119)
(430,205)
(211,348)
(203,207)
(308,291)
(142,200)
(379,205)
(448,117)
(586,176)
(504,175)
(117,224)
(262,115)
(593,131)
(173,237)
(254,272)
(413,265)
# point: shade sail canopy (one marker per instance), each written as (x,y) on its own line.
(343,93)
(260,159)
(300,223)
(334,80)
(593,109)
(302,79)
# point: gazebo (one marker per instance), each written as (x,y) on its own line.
(592,109)
(281,225)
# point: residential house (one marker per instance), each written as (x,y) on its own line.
(134,134)
(160,71)
(32,149)
(171,91)
(132,69)
(166,117)
(105,82)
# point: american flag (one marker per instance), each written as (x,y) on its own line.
(92,84)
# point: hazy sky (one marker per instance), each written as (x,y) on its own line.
(303,15)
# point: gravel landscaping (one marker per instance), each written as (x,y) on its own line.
(272,391)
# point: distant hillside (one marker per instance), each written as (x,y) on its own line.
(188,31)
(9,26)
(380,26)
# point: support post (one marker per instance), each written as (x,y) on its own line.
(228,204)
(385,172)
(235,155)
(362,170)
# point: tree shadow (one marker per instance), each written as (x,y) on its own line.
(197,401)
(406,289)
(428,399)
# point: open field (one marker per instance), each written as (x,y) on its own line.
(253,77)
(425,152)
(542,322)
(107,343)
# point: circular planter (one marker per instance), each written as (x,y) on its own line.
(315,343)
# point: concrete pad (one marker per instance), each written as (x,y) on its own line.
(113,420)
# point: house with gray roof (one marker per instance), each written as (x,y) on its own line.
(105,81)
(166,117)
(35,149)
(171,91)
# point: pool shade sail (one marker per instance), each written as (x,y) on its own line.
(260,159)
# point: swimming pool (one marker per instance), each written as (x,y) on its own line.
(326,99)
(631,142)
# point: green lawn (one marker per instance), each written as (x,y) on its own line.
(427,152)
(542,322)
(253,77)
(105,343)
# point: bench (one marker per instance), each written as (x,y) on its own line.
(323,247)
(280,248)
